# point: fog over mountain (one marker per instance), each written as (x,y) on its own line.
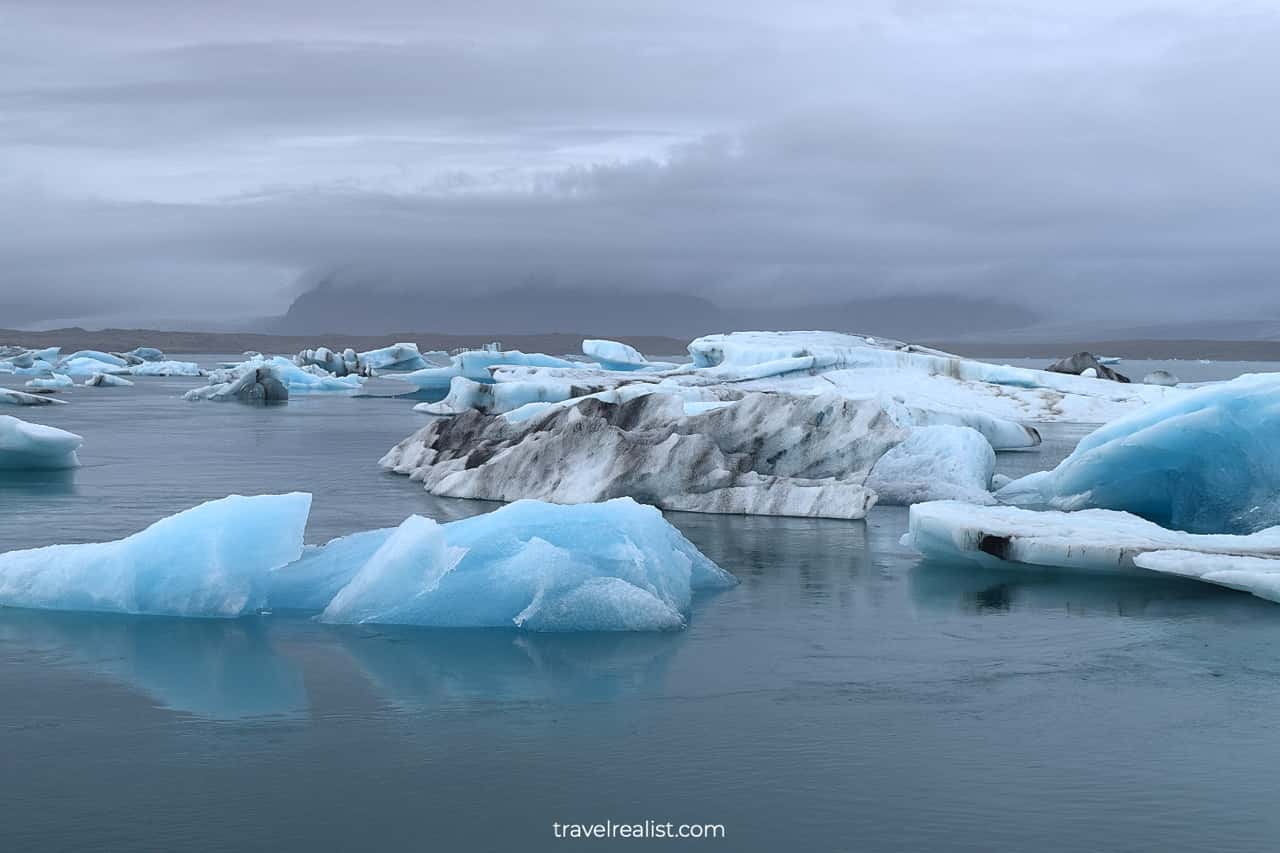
(913,168)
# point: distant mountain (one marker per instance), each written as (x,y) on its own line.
(542,310)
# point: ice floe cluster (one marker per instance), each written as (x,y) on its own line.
(52,371)
(614,566)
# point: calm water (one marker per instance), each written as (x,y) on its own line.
(842,698)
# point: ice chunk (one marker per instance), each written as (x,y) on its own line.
(475,366)
(166,368)
(106,380)
(35,446)
(212,560)
(1205,461)
(257,385)
(1258,575)
(148,354)
(96,355)
(83,366)
(51,383)
(22,398)
(312,581)
(613,355)
(465,395)
(613,566)
(401,357)
(1089,540)
(767,454)
(935,463)
(1160,377)
(271,380)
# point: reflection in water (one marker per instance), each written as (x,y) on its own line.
(414,669)
(54,483)
(942,586)
(211,668)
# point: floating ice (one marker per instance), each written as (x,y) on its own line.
(211,561)
(934,463)
(83,366)
(399,357)
(257,385)
(1160,377)
(96,355)
(613,566)
(13,397)
(1205,462)
(613,355)
(148,354)
(106,380)
(51,383)
(1093,540)
(475,366)
(271,380)
(35,446)
(764,454)
(166,368)
(466,395)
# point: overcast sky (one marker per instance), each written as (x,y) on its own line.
(162,161)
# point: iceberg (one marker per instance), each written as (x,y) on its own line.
(271,380)
(96,355)
(147,353)
(763,454)
(166,368)
(398,357)
(613,355)
(51,383)
(106,380)
(83,366)
(935,463)
(490,398)
(28,446)
(14,397)
(212,561)
(1093,540)
(476,366)
(612,566)
(1204,462)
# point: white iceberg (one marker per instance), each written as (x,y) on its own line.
(84,366)
(613,566)
(271,380)
(614,355)
(96,355)
(1093,540)
(107,380)
(1204,461)
(935,463)
(51,383)
(210,561)
(14,397)
(166,368)
(476,366)
(35,446)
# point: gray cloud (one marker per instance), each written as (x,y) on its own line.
(1111,163)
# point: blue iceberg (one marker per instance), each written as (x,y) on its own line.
(1203,462)
(612,566)
(51,383)
(26,446)
(476,366)
(210,561)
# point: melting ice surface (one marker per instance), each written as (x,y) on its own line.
(28,446)
(612,566)
(208,561)
(1204,461)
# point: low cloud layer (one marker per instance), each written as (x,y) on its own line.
(1113,163)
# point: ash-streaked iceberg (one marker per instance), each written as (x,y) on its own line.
(210,561)
(1204,461)
(1095,541)
(28,446)
(762,454)
(613,566)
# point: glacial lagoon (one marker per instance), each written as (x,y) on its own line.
(843,696)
